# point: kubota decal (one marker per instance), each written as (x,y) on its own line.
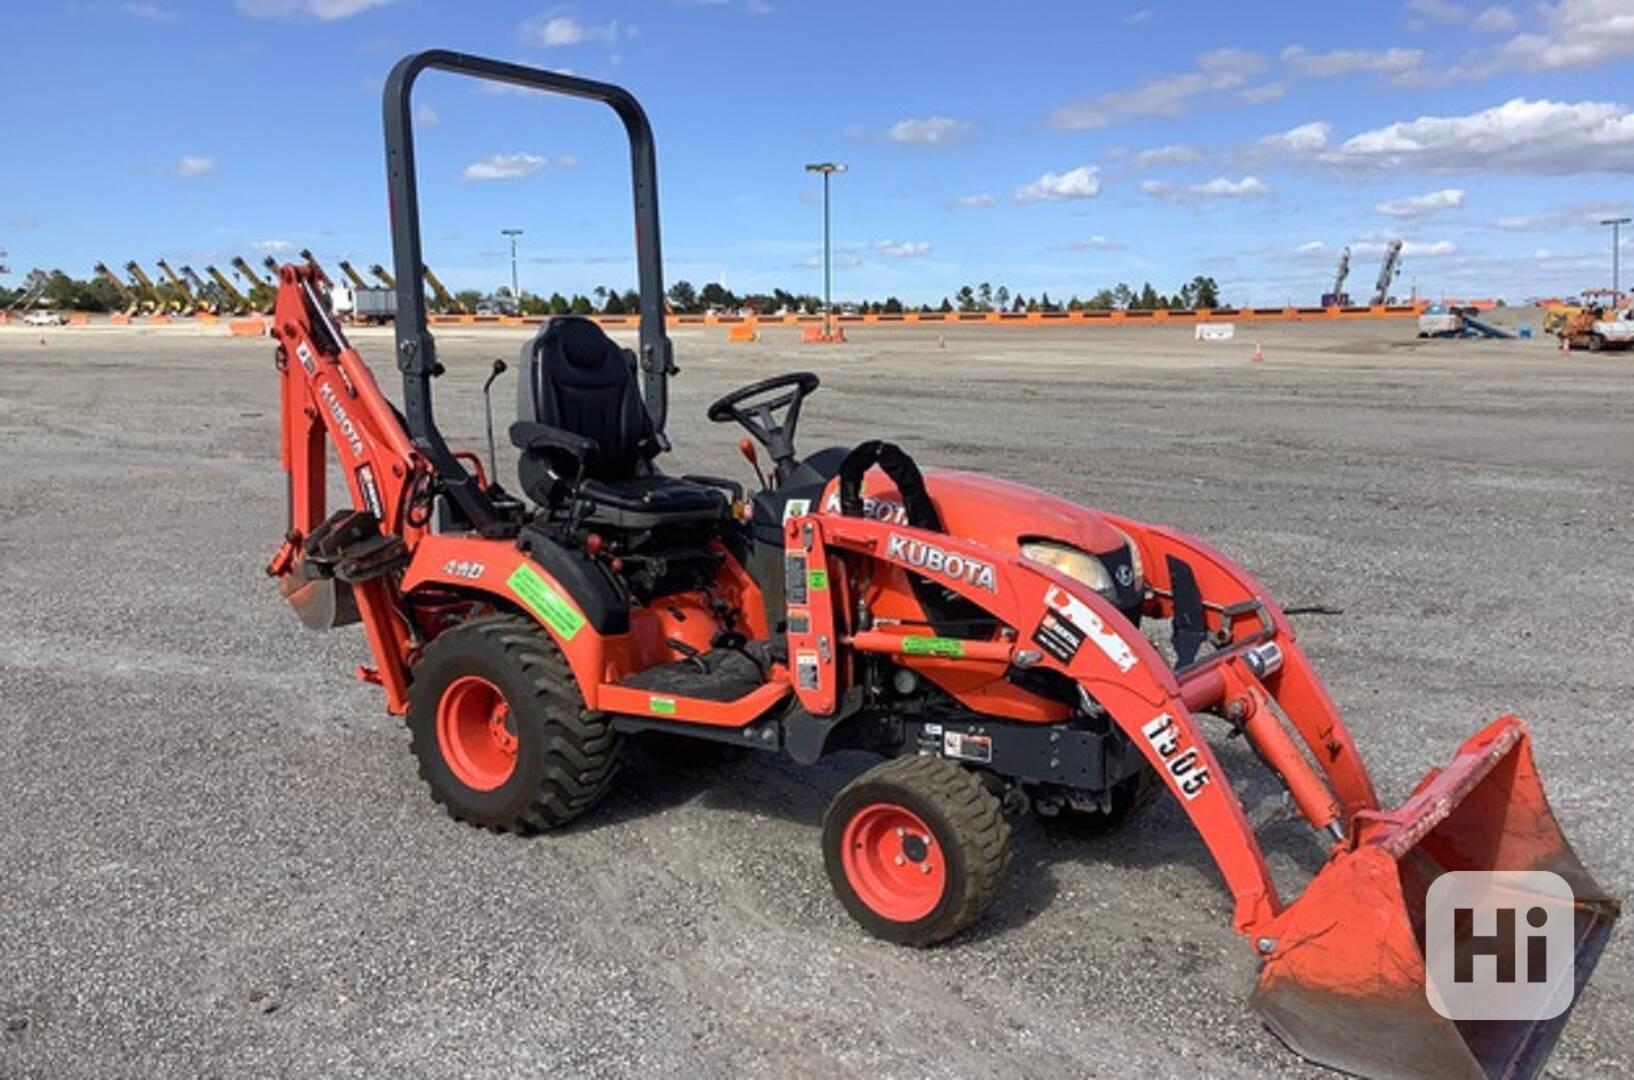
(347,428)
(1189,777)
(887,510)
(543,600)
(934,559)
(925,645)
(1076,613)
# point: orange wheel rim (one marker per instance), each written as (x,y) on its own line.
(476,733)
(893,862)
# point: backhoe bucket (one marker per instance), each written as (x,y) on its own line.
(1344,982)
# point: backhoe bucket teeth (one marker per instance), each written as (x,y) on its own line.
(1344,979)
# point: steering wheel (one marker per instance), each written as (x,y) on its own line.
(757,405)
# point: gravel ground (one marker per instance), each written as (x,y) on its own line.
(219,860)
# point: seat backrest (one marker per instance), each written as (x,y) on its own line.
(576,378)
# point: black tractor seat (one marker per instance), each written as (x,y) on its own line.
(583,426)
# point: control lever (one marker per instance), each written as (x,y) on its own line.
(488,408)
(747,449)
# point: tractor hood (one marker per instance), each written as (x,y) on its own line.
(990,511)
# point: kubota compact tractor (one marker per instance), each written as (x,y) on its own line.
(983,638)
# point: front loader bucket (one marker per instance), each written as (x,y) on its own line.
(1344,982)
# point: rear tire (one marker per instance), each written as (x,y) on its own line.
(916,849)
(500,731)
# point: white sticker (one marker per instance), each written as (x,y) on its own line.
(795,508)
(1078,613)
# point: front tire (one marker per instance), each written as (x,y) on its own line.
(500,731)
(916,849)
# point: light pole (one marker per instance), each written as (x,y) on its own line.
(1616,236)
(516,295)
(828,169)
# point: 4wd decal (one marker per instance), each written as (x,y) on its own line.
(1181,763)
(465,568)
(543,600)
(949,564)
(347,428)
(1077,616)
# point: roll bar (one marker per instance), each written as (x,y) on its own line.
(416,350)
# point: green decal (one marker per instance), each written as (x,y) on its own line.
(817,579)
(920,645)
(665,705)
(544,601)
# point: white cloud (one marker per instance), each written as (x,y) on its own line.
(273,247)
(1495,20)
(152,12)
(515,166)
(1093,243)
(195,165)
(903,249)
(931,131)
(1411,249)
(326,10)
(1519,136)
(979,200)
(1423,205)
(1219,187)
(1135,18)
(1311,247)
(1441,11)
(1572,34)
(1173,154)
(1298,140)
(426,116)
(558,28)
(1084,182)
(1260,95)
(1221,69)
(1397,63)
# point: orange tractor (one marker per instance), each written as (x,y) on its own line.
(983,638)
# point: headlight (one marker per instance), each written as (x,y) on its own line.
(1078,565)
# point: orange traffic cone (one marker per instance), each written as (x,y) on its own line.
(1259,353)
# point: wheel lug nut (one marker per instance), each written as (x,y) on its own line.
(900,859)
(924,868)
(900,831)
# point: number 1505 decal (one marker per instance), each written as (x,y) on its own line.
(1164,735)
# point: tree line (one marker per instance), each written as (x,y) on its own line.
(96,294)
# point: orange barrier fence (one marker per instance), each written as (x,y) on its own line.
(252,327)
